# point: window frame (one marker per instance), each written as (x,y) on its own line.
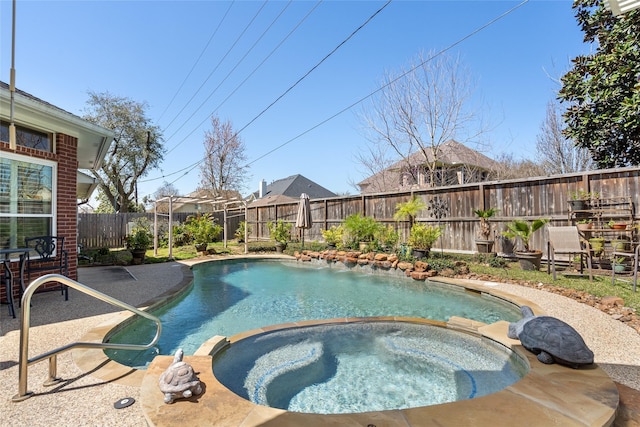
(51,137)
(54,190)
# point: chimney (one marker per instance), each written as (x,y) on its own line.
(262,189)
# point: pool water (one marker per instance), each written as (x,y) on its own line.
(364,366)
(238,295)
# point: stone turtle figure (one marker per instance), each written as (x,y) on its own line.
(551,339)
(179,380)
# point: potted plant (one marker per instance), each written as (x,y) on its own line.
(584,226)
(203,230)
(240,231)
(139,241)
(333,236)
(408,210)
(360,230)
(484,242)
(619,264)
(579,199)
(597,245)
(280,231)
(421,239)
(387,238)
(523,230)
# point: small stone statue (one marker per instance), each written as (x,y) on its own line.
(179,380)
(551,339)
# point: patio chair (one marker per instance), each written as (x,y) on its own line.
(633,256)
(565,240)
(50,257)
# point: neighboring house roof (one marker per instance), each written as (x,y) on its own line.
(289,189)
(33,112)
(450,153)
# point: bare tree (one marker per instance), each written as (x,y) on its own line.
(165,190)
(420,109)
(558,154)
(509,168)
(224,165)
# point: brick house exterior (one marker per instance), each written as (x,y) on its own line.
(70,136)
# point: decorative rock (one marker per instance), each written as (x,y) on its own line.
(420,275)
(421,266)
(179,380)
(612,301)
(403,265)
(380,257)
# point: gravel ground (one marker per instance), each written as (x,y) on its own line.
(85,400)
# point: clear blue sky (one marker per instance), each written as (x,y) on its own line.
(145,50)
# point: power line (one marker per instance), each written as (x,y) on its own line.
(218,64)
(227,76)
(451,46)
(197,60)
(299,80)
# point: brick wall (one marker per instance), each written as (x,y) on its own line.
(66,213)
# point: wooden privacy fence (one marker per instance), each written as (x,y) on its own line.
(110,230)
(453,207)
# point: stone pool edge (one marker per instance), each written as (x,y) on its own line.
(547,395)
(547,391)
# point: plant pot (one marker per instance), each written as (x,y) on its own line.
(280,247)
(138,256)
(529,261)
(619,226)
(577,205)
(484,246)
(597,245)
(619,268)
(620,245)
(420,253)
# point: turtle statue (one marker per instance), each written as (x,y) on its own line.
(551,339)
(179,380)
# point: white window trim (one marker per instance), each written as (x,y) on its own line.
(54,186)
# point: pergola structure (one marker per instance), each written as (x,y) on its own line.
(216,203)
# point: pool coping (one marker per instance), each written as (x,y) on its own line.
(547,394)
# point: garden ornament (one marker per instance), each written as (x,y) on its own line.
(179,380)
(551,339)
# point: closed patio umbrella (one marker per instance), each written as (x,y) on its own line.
(303,220)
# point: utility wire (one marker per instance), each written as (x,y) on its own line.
(451,46)
(227,76)
(218,65)
(197,60)
(302,78)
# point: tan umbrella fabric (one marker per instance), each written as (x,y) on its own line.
(303,220)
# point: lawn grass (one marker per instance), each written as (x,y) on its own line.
(599,287)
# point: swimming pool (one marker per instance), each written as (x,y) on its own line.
(364,366)
(231,296)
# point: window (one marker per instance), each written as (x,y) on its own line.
(27,137)
(27,198)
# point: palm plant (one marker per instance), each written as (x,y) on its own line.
(523,230)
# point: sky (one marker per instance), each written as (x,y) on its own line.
(293,77)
